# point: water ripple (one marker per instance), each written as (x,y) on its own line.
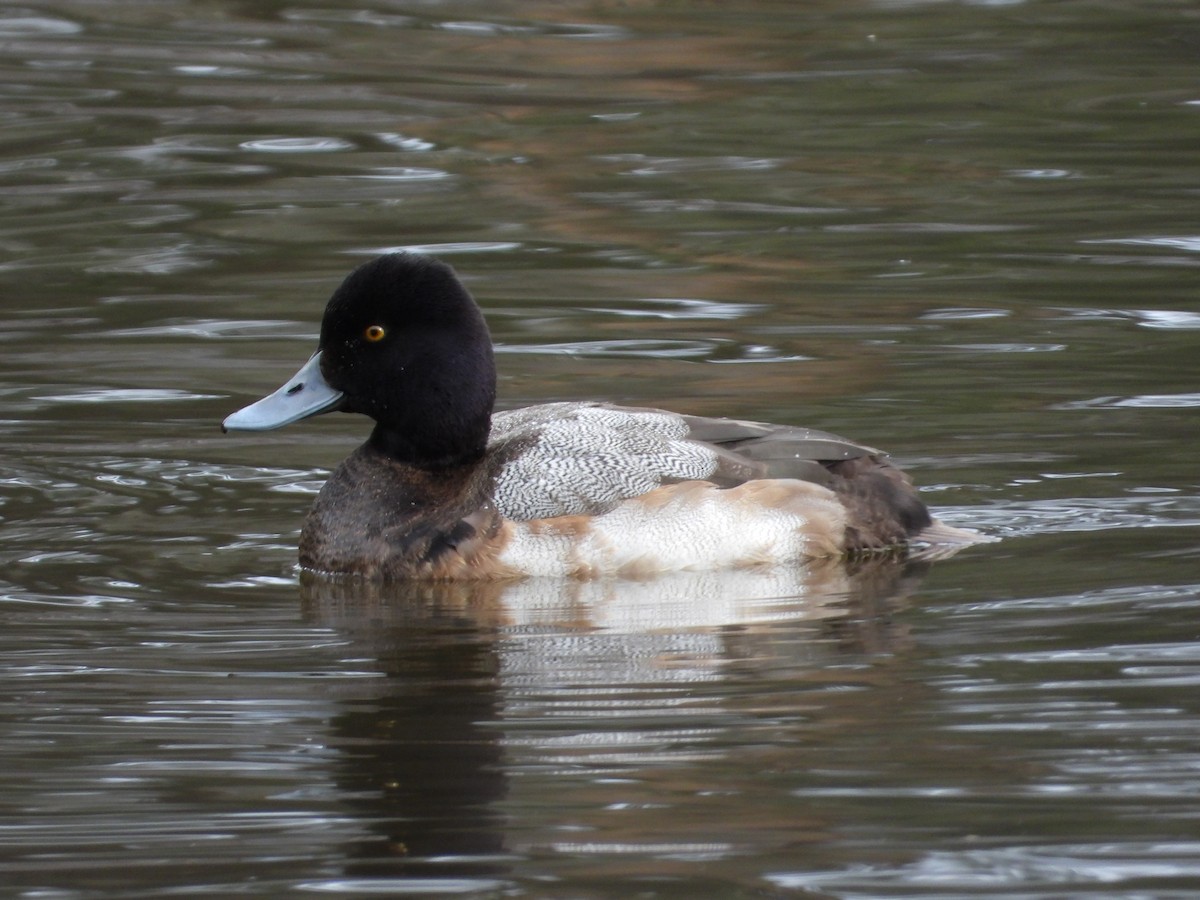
(222,329)
(445,249)
(39,26)
(1079,514)
(297,145)
(407,887)
(1027,870)
(403,173)
(649,166)
(1165,319)
(1187,242)
(650,349)
(681,308)
(1144,401)
(126,395)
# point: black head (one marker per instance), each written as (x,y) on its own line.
(408,346)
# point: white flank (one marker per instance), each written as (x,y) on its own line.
(691,525)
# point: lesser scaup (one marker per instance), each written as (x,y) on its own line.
(445,489)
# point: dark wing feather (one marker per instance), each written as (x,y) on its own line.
(883,508)
(750,450)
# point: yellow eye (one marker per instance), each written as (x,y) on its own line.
(374,333)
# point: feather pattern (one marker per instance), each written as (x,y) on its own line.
(564,459)
(575,458)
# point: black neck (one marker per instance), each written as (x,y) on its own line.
(426,451)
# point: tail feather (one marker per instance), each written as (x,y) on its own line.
(938,532)
(941,540)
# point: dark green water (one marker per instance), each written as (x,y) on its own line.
(964,232)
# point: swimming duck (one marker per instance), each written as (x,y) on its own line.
(446,488)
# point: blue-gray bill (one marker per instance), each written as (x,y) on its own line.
(305,394)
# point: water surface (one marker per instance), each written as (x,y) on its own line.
(964,232)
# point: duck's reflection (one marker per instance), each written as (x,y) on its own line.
(491,683)
(421,759)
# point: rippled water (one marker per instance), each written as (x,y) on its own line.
(964,232)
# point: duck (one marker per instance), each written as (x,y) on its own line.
(447,488)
